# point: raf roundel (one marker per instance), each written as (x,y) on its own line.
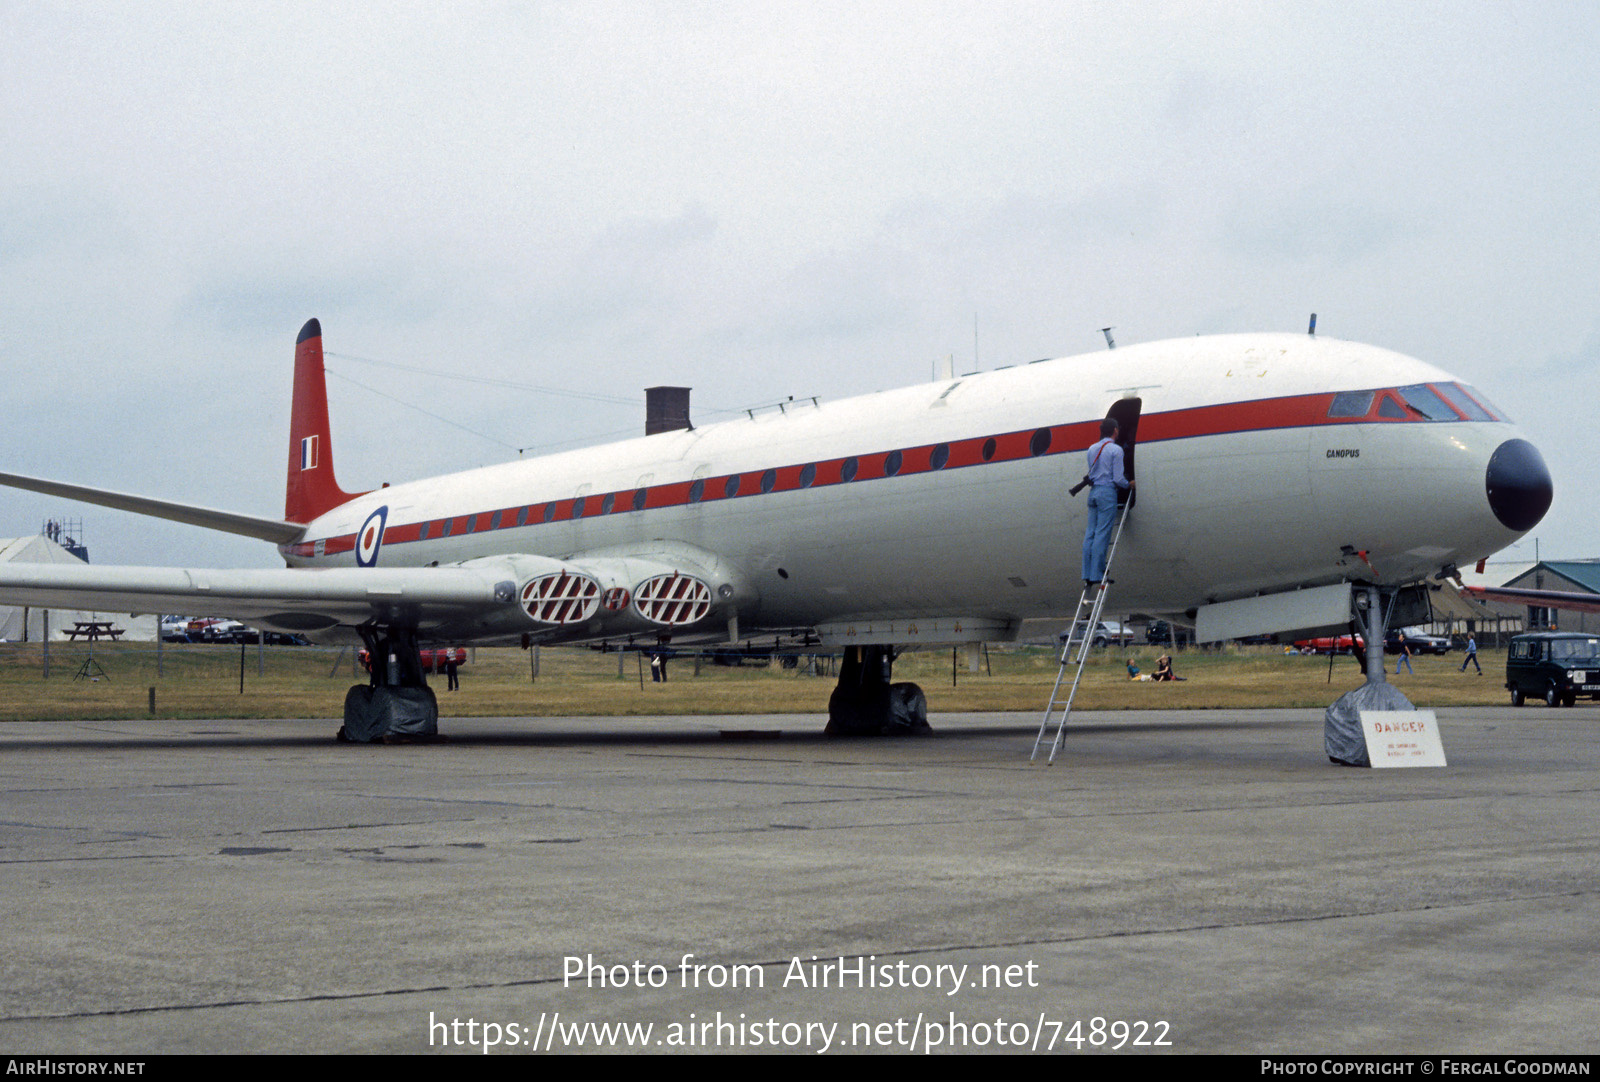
(370,539)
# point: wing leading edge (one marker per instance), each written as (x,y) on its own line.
(429,599)
(266,529)
(521,597)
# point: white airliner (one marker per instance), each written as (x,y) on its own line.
(1274,473)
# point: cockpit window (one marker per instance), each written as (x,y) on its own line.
(1351,404)
(1416,402)
(1477,395)
(1420,397)
(1463,402)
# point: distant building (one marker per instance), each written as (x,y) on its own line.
(1572,576)
(1457,615)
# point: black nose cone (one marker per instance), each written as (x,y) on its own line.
(1519,485)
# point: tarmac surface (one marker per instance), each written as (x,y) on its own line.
(1207,880)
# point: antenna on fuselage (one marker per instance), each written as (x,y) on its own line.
(1312,330)
(1111,343)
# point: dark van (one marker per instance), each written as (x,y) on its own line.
(1556,666)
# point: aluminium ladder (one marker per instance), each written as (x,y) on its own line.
(1080,634)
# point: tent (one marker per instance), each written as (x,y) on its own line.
(20,623)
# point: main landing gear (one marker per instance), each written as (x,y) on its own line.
(398,704)
(865,703)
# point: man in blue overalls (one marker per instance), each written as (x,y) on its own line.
(1105,477)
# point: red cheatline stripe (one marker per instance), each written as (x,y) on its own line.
(1294,411)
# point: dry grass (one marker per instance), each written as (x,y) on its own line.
(203,682)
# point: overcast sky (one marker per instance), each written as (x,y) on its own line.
(755,200)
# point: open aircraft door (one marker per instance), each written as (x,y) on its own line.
(1125,411)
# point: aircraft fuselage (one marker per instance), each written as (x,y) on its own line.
(1258,470)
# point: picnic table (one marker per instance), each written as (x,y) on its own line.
(94,630)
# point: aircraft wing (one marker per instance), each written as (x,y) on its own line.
(1549,599)
(434,600)
(267,529)
(647,590)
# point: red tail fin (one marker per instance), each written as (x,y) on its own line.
(311,491)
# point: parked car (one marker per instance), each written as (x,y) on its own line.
(1161,633)
(1107,632)
(736,657)
(1331,644)
(433,660)
(1417,641)
(1556,666)
(213,629)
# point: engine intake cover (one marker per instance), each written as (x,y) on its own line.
(673,600)
(561,598)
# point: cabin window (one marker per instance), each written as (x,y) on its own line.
(769,480)
(549,512)
(639,498)
(988,449)
(808,474)
(940,456)
(607,503)
(522,516)
(422,532)
(731,487)
(1391,409)
(577,507)
(697,490)
(847,472)
(1040,442)
(494,520)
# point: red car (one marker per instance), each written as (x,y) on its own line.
(1414,639)
(1337,644)
(433,660)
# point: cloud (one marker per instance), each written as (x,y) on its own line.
(40,221)
(1314,228)
(271,302)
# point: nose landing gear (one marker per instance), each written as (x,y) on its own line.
(1342,737)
